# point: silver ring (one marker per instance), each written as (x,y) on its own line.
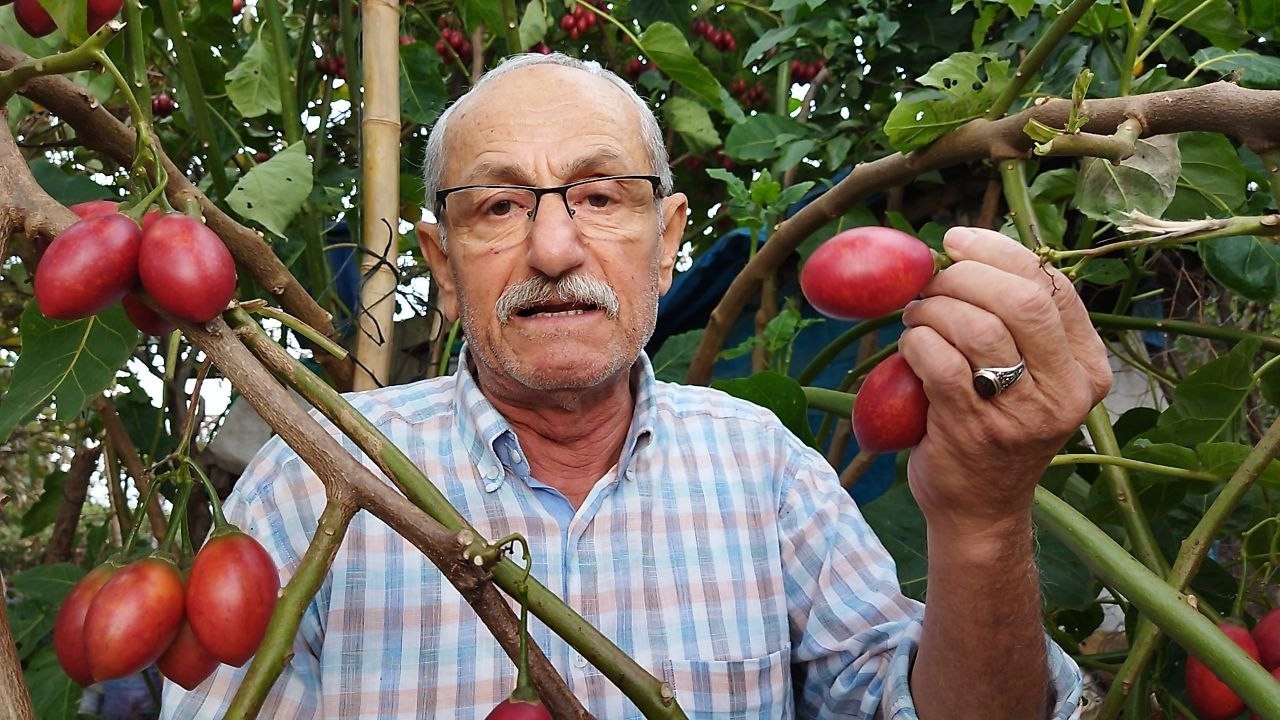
(990,382)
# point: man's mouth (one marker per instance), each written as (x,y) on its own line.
(556,309)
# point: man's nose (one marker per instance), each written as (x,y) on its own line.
(555,246)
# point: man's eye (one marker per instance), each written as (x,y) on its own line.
(599,200)
(500,207)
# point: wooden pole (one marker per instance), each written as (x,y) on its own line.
(379,189)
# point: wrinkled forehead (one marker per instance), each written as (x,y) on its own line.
(540,117)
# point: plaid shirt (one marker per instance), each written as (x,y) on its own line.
(720,552)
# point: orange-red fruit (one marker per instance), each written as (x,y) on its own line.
(231,591)
(93,208)
(144,318)
(889,414)
(88,267)
(68,629)
(1266,634)
(33,18)
(185,268)
(1211,697)
(187,662)
(512,709)
(866,272)
(134,618)
(100,11)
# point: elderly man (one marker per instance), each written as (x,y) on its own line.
(691,528)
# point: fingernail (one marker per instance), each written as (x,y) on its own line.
(958,237)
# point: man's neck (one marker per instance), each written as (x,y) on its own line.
(569,438)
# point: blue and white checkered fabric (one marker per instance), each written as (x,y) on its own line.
(720,552)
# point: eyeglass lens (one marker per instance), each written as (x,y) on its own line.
(601,208)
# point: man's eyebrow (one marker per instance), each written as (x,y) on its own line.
(489,171)
(492,171)
(588,163)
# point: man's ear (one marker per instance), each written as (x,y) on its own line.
(675,210)
(441,274)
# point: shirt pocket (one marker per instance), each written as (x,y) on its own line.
(723,689)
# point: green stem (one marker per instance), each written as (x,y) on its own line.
(305,60)
(1013,176)
(1159,602)
(303,329)
(1169,31)
(865,366)
(1124,493)
(1179,233)
(1116,147)
(1131,464)
(139,517)
(824,356)
(219,520)
(1139,34)
(175,517)
(135,58)
(193,94)
(1192,552)
(651,696)
(830,401)
(1182,327)
(285,77)
(82,57)
(277,646)
(511,31)
(1038,55)
(447,353)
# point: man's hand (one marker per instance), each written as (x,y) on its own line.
(980,459)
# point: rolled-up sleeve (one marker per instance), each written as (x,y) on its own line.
(854,634)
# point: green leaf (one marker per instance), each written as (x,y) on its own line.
(759,138)
(41,514)
(648,12)
(488,12)
(666,46)
(898,523)
(1216,22)
(1021,8)
(30,623)
(1213,179)
(1223,458)
(1257,71)
(422,92)
(1146,181)
(54,695)
(533,26)
(272,193)
(1247,265)
(48,584)
(768,39)
(68,188)
(1054,185)
(672,360)
(1207,403)
(691,119)
(72,359)
(1104,271)
(252,84)
(958,89)
(71,17)
(794,152)
(737,189)
(144,421)
(1262,17)
(1065,582)
(12,34)
(764,189)
(778,393)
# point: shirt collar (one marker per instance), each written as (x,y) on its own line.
(492,444)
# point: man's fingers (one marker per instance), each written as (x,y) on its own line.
(979,335)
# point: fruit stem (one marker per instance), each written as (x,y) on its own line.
(82,57)
(219,520)
(824,357)
(145,157)
(524,687)
(303,329)
(177,517)
(851,378)
(138,517)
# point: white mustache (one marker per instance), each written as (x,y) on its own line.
(581,289)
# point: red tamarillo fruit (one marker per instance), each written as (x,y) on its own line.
(866,272)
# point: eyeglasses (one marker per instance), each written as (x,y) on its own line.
(604,208)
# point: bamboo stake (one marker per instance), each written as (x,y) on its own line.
(380,183)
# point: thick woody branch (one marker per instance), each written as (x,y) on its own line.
(99,130)
(13,690)
(74,489)
(338,469)
(1116,147)
(1251,119)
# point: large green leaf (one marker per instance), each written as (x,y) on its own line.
(487,12)
(648,12)
(252,83)
(422,92)
(71,17)
(1262,17)
(691,119)
(30,623)
(143,420)
(1065,582)
(959,89)
(54,695)
(1246,264)
(47,583)
(667,47)
(1146,181)
(533,26)
(779,393)
(760,137)
(13,34)
(272,193)
(1257,71)
(1207,403)
(1212,182)
(672,360)
(768,39)
(1216,22)
(898,523)
(65,187)
(72,359)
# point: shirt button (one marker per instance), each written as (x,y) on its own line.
(579,661)
(492,487)
(514,455)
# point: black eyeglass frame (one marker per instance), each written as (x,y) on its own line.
(538,192)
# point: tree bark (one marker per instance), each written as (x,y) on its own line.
(15,701)
(63,541)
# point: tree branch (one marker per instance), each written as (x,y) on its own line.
(1116,147)
(1251,120)
(74,489)
(102,132)
(13,689)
